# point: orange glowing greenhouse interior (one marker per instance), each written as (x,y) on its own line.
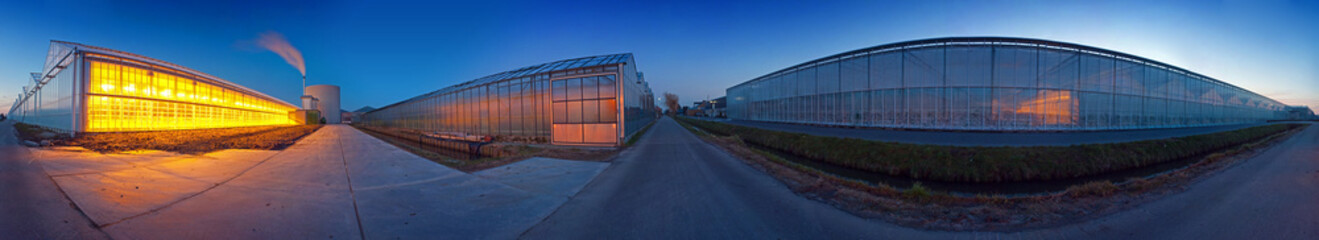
(125,97)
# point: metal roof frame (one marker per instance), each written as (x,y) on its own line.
(550,67)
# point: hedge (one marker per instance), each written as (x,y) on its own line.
(989,164)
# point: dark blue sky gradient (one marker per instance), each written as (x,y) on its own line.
(381,52)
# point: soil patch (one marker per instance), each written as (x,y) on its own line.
(193,141)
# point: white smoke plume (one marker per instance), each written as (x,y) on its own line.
(276,42)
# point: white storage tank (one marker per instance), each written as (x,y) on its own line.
(328,96)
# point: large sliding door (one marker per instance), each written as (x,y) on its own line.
(585,110)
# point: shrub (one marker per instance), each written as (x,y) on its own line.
(986,164)
(917,192)
(1139,184)
(1095,189)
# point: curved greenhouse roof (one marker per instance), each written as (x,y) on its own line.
(990,40)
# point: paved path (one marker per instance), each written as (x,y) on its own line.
(335,183)
(991,138)
(671,185)
(31,205)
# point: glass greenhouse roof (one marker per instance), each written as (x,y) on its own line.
(58,49)
(560,65)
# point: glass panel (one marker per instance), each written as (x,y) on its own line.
(806,82)
(1015,67)
(1176,86)
(827,78)
(574,111)
(1130,78)
(923,67)
(607,86)
(574,87)
(969,66)
(1156,80)
(886,70)
(854,74)
(590,111)
(790,85)
(1096,73)
(608,110)
(590,88)
(979,107)
(1058,69)
(560,112)
(560,90)
(959,106)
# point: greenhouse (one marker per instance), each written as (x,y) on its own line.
(595,101)
(85,88)
(994,84)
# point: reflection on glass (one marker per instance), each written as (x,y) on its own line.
(994,86)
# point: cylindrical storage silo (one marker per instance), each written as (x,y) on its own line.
(329,101)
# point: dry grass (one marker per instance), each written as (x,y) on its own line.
(923,208)
(1092,189)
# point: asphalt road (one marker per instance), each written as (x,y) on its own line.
(1274,195)
(992,138)
(671,185)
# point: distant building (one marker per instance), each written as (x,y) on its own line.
(327,101)
(85,88)
(709,108)
(993,83)
(719,108)
(697,109)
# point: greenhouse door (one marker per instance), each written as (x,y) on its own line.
(585,110)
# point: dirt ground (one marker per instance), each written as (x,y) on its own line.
(196,141)
(499,153)
(921,208)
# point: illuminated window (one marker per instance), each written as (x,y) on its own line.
(130,98)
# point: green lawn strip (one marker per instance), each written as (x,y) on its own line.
(639,133)
(987,164)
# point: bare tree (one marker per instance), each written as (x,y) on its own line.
(671,101)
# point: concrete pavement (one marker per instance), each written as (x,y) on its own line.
(31,205)
(671,185)
(335,183)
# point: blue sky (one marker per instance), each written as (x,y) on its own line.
(381,52)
